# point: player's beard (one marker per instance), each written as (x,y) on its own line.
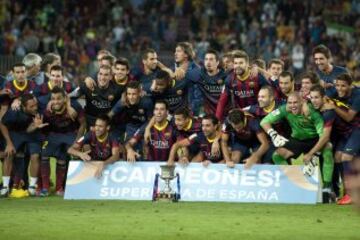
(239,71)
(263,104)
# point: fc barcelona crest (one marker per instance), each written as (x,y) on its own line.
(111,97)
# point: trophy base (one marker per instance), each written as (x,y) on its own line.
(166,197)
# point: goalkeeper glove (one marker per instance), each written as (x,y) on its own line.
(309,168)
(276,138)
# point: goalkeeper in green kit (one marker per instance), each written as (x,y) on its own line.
(306,134)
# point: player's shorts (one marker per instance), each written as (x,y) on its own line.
(32,141)
(58,144)
(267,158)
(340,144)
(352,146)
(118,133)
(244,147)
(2,143)
(300,146)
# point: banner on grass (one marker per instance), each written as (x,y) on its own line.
(215,183)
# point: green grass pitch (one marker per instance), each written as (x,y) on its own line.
(55,218)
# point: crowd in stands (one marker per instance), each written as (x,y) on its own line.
(285,29)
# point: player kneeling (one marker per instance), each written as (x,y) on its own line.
(103,146)
(203,140)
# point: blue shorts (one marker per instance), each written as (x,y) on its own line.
(32,141)
(118,133)
(340,144)
(352,146)
(58,144)
(2,143)
(267,157)
(244,147)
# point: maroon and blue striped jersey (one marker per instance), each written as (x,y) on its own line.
(241,93)
(18,91)
(350,102)
(100,149)
(61,122)
(205,144)
(329,117)
(193,128)
(247,133)
(160,143)
(45,88)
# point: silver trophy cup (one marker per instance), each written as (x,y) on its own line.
(166,194)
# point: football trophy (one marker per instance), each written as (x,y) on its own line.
(167,194)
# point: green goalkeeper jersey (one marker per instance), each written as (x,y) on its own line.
(302,127)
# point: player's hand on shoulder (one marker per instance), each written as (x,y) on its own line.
(16,104)
(90,83)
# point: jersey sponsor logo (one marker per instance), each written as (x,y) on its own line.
(158,144)
(174,100)
(63,123)
(244,93)
(101,104)
(139,118)
(213,88)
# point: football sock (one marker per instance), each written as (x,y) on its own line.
(60,176)
(279,160)
(328,165)
(45,173)
(33,181)
(338,173)
(347,172)
(6,181)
